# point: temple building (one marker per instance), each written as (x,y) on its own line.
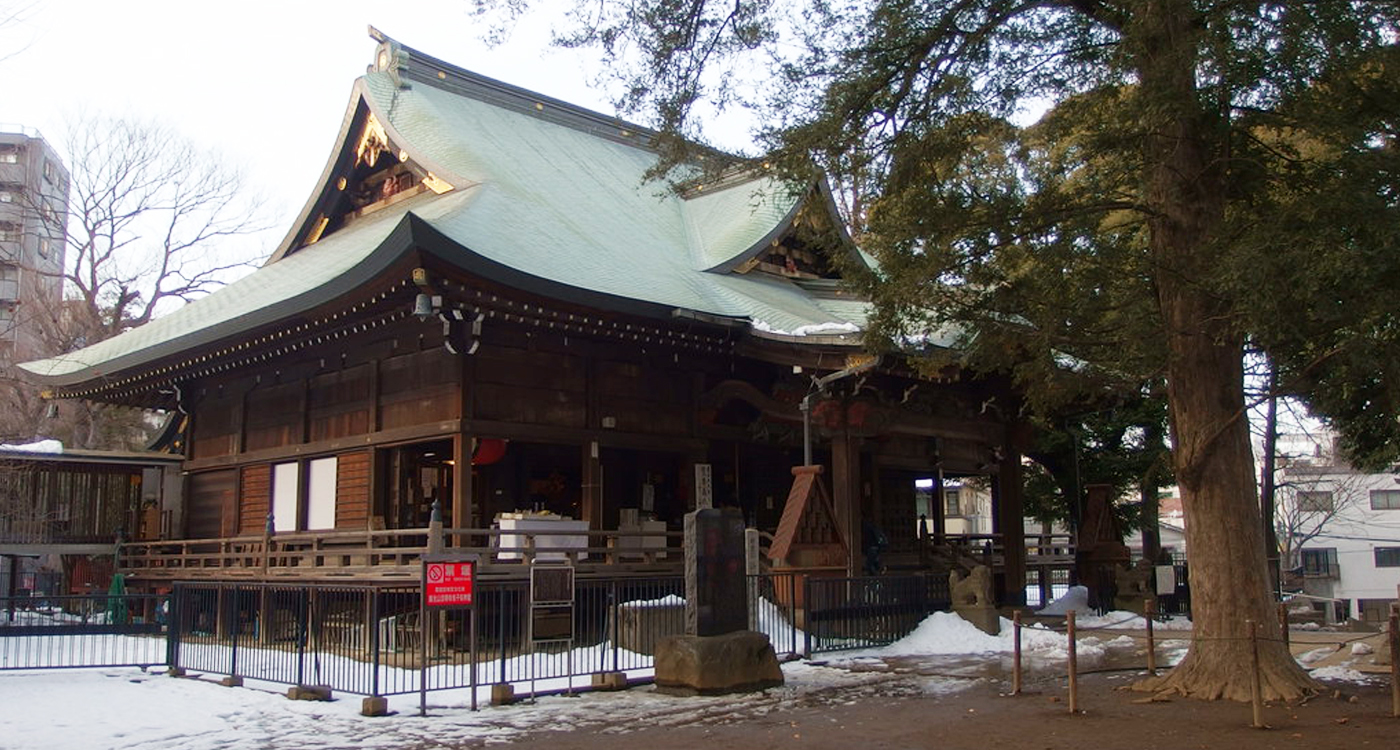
(486,307)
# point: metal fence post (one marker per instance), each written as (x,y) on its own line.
(807,629)
(616,615)
(303,628)
(234,625)
(501,631)
(374,659)
(174,614)
(792,610)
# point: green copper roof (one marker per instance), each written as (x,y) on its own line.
(295,284)
(549,191)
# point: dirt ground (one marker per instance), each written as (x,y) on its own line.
(981,717)
(914,710)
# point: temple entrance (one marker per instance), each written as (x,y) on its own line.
(643,486)
(418,475)
(511,476)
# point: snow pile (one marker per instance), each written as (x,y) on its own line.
(52,447)
(773,622)
(670,600)
(1075,600)
(945,633)
(1123,620)
(1340,674)
(1317,654)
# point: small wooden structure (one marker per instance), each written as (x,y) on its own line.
(76,505)
(485,306)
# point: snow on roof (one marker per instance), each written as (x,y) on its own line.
(53,447)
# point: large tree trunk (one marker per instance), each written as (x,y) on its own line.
(1185,148)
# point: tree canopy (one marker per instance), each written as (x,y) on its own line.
(152,221)
(1205,176)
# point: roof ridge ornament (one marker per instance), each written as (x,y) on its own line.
(390,57)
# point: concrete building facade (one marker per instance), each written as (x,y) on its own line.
(33,220)
(1340,528)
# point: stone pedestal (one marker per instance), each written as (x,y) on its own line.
(502,694)
(987,619)
(232,681)
(309,692)
(374,705)
(738,662)
(640,626)
(609,681)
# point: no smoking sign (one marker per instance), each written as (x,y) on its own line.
(448,583)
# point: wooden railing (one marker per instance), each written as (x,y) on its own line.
(1042,550)
(394,554)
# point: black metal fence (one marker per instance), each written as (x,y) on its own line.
(94,630)
(774,601)
(373,640)
(849,613)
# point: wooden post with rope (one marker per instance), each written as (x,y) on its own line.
(1256,691)
(1073,665)
(1149,608)
(1016,653)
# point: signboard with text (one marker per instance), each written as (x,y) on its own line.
(704,487)
(448,582)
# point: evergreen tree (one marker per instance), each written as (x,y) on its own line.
(1206,174)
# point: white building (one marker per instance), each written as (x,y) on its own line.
(1339,528)
(33,215)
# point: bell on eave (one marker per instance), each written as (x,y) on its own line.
(426,306)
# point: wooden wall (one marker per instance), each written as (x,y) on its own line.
(352,490)
(513,384)
(211,509)
(255,498)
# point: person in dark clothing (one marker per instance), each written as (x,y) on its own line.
(874,542)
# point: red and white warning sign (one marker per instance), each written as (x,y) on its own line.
(448,584)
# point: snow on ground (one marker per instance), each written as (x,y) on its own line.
(119,708)
(130,708)
(1340,674)
(947,634)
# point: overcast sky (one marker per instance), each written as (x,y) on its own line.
(265,82)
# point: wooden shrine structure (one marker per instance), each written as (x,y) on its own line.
(485,307)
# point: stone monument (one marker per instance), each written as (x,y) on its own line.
(1133,587)
(717,654)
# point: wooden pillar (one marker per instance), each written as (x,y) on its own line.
(591,489)
(939,510)
(463,446)
(462,511)
(845,495)
(1009,512)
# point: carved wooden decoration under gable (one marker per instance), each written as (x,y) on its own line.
(380,175)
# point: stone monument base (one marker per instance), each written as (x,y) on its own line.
(986,618)
(738,662)
(1135,604)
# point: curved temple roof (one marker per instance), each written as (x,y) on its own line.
(526,188)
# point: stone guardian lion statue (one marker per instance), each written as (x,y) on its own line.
(973,591)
